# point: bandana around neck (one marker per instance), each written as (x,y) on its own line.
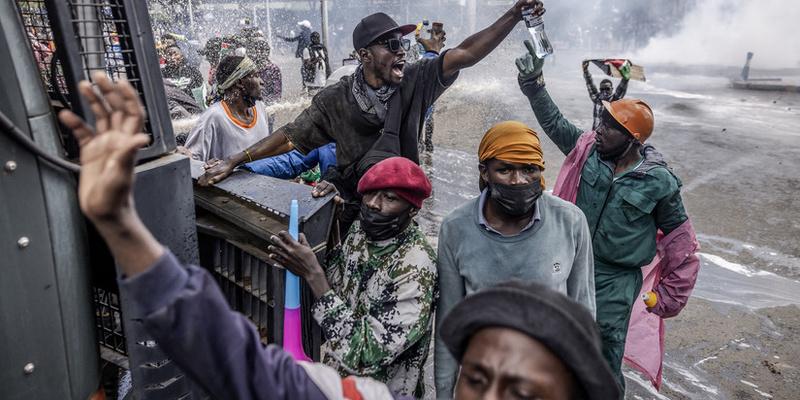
(370,100)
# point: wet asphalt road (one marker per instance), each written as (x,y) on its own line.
(737,155)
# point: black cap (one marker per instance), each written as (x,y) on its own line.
(375,26)
(564,326)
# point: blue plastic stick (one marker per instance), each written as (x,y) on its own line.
(292,288)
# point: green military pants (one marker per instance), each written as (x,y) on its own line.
(615,289)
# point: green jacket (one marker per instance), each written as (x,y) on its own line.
(377,315)
(623,212)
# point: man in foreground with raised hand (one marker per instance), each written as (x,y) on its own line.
(222,351)
(184,310)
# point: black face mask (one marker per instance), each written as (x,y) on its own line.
(617,153)
(379,226)
(515,200)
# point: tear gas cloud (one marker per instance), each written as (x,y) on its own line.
(720,32)
(710,32)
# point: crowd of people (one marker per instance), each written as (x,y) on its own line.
(232,100)
(528,295)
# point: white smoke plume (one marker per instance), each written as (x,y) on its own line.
(721,32)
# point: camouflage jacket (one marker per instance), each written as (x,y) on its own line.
(377,317)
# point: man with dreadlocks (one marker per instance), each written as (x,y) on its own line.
(235,122)
(378,111)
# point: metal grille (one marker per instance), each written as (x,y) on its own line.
(40,36)
(108,320)
(248,284)
(106,41)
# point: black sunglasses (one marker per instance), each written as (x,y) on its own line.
(394,45)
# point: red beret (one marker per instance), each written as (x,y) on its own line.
(402,176)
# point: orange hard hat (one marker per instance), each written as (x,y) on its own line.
(634,115)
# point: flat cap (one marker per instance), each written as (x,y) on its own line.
(564,326)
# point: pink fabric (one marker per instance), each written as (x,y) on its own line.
(293,334)
(679,266)
(644,345)
(569,177)
(672,275)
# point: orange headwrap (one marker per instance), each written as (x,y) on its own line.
(512,141)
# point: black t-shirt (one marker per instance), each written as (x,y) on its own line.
(334,114)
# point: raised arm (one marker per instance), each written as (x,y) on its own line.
(622,88)
(587,76)
(531,81)
(108,156)
(479,45)
(221,350)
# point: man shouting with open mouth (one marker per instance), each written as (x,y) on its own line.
(378,111)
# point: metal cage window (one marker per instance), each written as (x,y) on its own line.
(106,43)
(108,320)
(71,39)
(40,36)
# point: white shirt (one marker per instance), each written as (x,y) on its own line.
(218,134)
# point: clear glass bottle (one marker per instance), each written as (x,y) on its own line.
(535,26)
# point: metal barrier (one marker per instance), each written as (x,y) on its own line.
(71,39)
(235,218)
(115,37)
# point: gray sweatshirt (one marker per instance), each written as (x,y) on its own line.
(556,251)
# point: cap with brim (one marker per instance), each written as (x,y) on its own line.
(375,26)
(564,326)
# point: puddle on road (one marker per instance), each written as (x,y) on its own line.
(731,283)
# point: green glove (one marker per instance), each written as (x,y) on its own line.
(529,65)
(312,175)
(625,71)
